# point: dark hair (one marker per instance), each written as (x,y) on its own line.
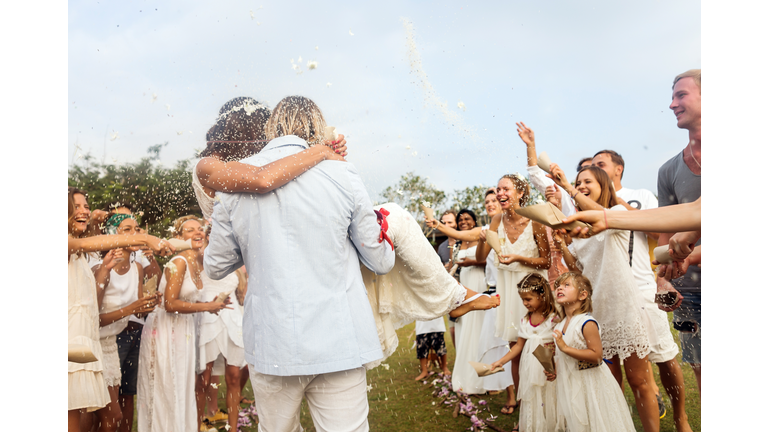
(615,158)
(578,167)
(490,191)
(607,197)
(240,119)
(536,283)
(469,212)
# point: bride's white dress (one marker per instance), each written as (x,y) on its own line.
(166,381)
(475,339)
(220,336)
(417,289)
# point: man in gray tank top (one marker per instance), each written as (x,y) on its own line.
(679,182)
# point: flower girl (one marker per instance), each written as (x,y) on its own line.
(538,407)
(588,396)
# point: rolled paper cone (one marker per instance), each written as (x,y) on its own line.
(150,287)
(492,238)
(661,253)
(545,356)
(330,134)
(549,215)
(223,295)
(180,245)
(80,354)
(483,369)
(430,213)
(543,161)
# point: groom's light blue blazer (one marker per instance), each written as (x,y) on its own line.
(306,310)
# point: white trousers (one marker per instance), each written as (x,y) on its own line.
(338,401)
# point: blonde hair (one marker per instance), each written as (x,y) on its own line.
(178,223)
(582,284)
(521,186)
(693,73)
(296,115)
(536,283)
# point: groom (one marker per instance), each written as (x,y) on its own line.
(308,328)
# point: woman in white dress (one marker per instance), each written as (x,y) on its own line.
(166,382)
(475,330)
(220,343)
(525,249)
(87,390)
(604,260)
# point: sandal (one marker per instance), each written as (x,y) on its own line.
(508,409)
(243,400)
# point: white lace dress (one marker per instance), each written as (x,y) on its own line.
(538,411)
(475,339)
(166,382)
(220,336)
(588,400)
(86,388)
(511,309)
(417,289)
(604,260)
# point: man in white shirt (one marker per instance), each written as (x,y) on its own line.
(663,347)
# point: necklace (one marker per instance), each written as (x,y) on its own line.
(692,156)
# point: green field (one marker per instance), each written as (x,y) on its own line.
(398,403)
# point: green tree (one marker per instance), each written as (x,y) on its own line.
(159,194)
(410,191)
(472,198)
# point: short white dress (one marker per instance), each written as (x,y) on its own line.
(220,336)
(588,397)
(475,339)
(538,411)
(511,309)
(604,260)
(166,382)
(86,388)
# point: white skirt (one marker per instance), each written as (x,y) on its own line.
(110,361)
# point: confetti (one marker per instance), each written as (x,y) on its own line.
(168,107)
(252,15)
(462,106)
(350,33)
(154,97)
(327,84)
(179,132)
(114,136)
(311,65)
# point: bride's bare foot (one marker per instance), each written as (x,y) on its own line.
(483,302)
(422,375)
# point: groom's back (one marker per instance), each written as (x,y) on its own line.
(306,310)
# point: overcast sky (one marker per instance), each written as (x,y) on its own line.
(585,76)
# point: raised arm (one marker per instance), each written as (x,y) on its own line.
(584,202)
(239,177)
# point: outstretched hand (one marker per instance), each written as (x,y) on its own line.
(526,134)
(595,218)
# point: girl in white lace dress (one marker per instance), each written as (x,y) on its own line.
(604,260)
(538,398)
(166,382)
(475,330)
(588,397)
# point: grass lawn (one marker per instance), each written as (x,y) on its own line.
(398,403)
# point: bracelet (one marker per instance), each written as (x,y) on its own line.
(605,214)
(575,192)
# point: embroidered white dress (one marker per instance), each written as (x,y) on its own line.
(538,411)
(166,382)
(588,400)
(220,336)
(475,339)
(604,260)
(417,289)
(86,387)
(511,309)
